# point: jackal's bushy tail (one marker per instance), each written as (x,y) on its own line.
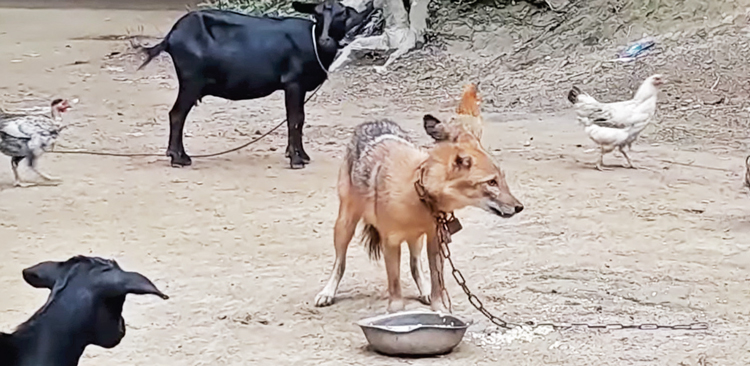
(371,239)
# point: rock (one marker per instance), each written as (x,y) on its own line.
(713,99)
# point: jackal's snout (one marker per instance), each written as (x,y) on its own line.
(499,200)
(504,205)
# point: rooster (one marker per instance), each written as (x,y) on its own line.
(616,125)
(28,136)
(468,115)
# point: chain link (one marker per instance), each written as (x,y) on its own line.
(443,236)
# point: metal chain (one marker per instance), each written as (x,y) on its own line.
(444,295)
(443,237)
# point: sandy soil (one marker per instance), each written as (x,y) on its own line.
(242,243)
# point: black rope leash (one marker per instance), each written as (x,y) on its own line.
(223,152)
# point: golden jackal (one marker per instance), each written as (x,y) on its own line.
(377,184)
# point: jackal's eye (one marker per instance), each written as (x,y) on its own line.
(492,182)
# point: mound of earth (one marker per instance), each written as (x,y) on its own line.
(527,56)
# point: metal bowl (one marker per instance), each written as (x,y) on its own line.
(414,333)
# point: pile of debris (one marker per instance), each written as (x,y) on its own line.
(529,58)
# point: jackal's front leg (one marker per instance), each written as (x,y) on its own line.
(438,302)
(392,256)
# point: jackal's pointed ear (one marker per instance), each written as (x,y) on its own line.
(463,161)
(433,127)
(439,130)
(445,132)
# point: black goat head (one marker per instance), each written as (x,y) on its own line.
(98,288)
(334,18)
(104,275)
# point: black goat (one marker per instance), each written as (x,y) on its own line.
(84,307)
(238,57)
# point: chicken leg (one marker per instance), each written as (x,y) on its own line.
(630,164)
(17,182)
(600,163)
(32,164)
(46,177)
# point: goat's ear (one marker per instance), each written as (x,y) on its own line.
(132,283)
(304,8)
(43,275)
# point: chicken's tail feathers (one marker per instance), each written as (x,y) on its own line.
(573,94)
(470,100)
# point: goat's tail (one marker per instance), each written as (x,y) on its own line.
(151,52)
(372,240)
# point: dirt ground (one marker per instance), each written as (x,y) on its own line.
(242,243)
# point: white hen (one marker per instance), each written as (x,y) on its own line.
(616,125)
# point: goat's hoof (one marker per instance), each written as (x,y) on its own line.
(302,154)
(323,300)
(297,163)
(179,159)
(20,184)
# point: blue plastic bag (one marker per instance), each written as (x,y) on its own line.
(637,48)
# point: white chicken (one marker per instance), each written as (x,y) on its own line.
(28,136)
(616,125)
